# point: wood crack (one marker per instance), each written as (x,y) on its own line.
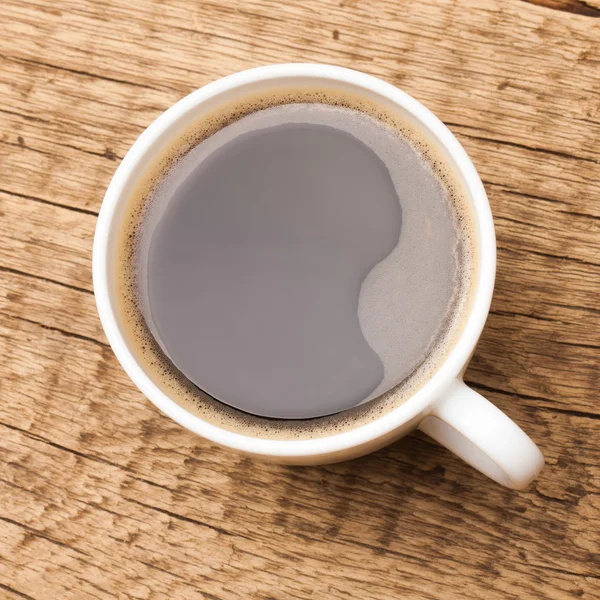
(26,117)
(580,214)
(517,222)
(515,192)
(512,313)
(43,440)
(70,334)
(571,413)
(576,7)
(15,592)
(595,311)
(42,535)
(548,255)
(23,147)
(554,408)
(578,344)
(108,155)
(520,146)
(46,279)
(85,211)
(173,515)
(177,576)
(565,571)
(80,72)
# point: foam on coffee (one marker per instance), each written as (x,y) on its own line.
(379,304)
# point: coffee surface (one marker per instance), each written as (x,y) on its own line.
(299,262)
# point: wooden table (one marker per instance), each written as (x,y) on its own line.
(104,497)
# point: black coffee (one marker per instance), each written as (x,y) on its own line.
(300,261)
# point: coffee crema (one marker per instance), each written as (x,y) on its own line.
(295,264)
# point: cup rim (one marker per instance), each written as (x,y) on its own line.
(416,404)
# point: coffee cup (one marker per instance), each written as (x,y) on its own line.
(443,407)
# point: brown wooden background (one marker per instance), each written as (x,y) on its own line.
(103,497)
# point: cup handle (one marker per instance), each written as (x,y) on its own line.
(483,436)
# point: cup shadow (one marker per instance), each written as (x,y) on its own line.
(384,500)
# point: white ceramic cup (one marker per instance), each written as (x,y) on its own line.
(444,408)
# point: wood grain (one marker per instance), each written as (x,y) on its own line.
(103,497)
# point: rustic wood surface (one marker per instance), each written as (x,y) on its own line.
(104,497)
